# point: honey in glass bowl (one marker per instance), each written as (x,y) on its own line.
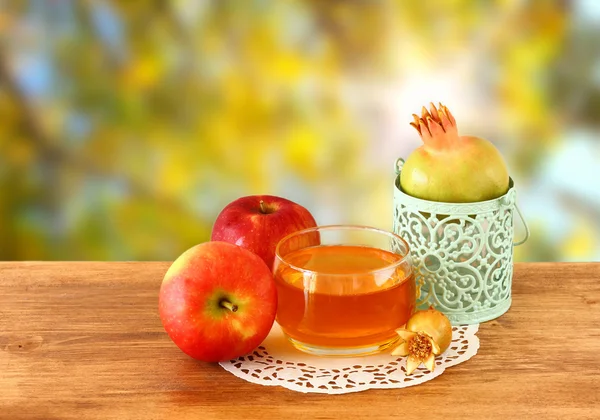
(343,290)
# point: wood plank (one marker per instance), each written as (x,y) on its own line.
(84,340)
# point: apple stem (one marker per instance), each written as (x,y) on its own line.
(262,207)
(226,304)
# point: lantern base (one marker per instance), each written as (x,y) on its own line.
(469,318)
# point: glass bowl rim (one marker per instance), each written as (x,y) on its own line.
(392,235)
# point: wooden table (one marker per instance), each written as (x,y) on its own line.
(84,340)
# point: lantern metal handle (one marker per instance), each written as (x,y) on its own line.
(398,165)
(522,241)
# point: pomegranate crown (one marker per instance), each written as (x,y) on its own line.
(436,126)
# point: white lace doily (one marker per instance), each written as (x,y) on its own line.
(277,362)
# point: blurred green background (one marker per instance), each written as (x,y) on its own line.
(125,127)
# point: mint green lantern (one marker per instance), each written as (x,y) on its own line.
(462,253)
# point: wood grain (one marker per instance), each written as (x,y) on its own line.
(84,340)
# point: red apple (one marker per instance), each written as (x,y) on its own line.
(217,301)
(259,222)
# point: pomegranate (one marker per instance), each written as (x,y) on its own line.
(451,168)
